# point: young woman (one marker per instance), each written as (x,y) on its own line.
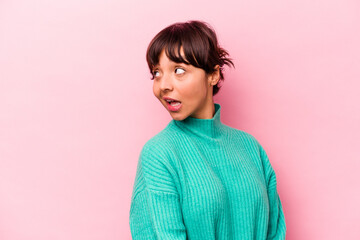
(198,178)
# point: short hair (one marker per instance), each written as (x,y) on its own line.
(200,45)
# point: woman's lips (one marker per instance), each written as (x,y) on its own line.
(175,107)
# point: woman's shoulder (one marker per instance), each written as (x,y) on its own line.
(241,134)
(162,143)
(246,139)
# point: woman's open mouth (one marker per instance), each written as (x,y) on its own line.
(173,105)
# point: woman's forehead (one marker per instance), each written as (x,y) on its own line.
(164,60)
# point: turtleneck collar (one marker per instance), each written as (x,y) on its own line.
(210,128)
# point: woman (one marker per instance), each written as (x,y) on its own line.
(198,178)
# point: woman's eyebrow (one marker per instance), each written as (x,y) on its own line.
(172,64)
(155,66)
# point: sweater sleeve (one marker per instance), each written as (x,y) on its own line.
(155,211)
(276,225)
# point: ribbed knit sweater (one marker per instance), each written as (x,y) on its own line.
(199,179)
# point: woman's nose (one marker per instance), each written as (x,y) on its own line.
(166,83)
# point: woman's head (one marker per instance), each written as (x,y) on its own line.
(193,45)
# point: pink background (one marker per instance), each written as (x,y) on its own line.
(76,107)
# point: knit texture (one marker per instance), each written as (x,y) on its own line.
(199,179)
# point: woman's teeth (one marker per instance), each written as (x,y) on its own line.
(174,103)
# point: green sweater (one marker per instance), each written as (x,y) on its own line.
(199,179)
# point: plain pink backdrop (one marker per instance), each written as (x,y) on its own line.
(76,107)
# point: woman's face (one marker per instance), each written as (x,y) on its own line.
(189,85)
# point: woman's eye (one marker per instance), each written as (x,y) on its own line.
(156,73)
(179,70)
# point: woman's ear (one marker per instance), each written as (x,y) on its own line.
(214,77)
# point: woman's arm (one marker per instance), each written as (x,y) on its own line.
(277,225)
(155,211)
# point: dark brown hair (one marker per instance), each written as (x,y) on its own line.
(200,45)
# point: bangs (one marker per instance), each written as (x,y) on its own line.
(171,40)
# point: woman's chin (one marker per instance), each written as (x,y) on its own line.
(177,116)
